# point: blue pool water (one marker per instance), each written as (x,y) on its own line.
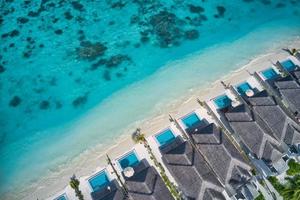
(222,101)
(99,181)
(288,65)
(165,137)
(269,74)
(191,120)
(129,160)
(242,88)
(62,61)
(62,197)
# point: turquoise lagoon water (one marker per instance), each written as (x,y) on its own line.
(60,60)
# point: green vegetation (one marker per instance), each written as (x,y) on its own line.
(253,172)
(290,190)
(274,181)
(138,137)
(262,182)
(294,168)
(260,197)
(74,183)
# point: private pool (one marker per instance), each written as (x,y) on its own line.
(99,181)
(61,197)
(222,101)
(242,88)
(191,120)
(288,65)
(128,160)
(269,74)
(165,137)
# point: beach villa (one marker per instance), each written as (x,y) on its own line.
(210,153)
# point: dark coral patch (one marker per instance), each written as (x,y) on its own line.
(280,5)
(12,33)
(118,5)
(266,2)
(191,34)
(79,101)
(1,20)
(110,23)
(116,60)
(221,11)
(90,50)
(44,105)
(77,5)
(27,54)
(58,105)
(106,75)
(195,9)
(99,63)
(2,69)
(166,28)
(58,32)
(15,101)
(68,15)
(22,20)
(145,39)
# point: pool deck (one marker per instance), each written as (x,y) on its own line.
(190,105)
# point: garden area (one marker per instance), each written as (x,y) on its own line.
(291,189)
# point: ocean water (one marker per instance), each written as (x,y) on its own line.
(60,60)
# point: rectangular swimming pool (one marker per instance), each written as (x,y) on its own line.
(269,74)
(99,181)
(222,101)
(129,160)
(288,65)
(242,88)
(61,197)
(165,137)
(191,120)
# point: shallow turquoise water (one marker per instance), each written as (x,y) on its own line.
(58,60)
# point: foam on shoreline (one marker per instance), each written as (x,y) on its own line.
(178,96)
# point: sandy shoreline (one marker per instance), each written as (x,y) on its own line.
(150,125)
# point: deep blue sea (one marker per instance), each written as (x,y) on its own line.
(61,59)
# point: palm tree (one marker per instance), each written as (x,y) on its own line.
(74,183)
(292,52)
(292,189)
(138,137)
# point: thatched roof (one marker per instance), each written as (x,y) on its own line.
(190,171)
(221,154)
(146,184)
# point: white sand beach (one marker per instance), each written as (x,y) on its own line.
(156,117)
